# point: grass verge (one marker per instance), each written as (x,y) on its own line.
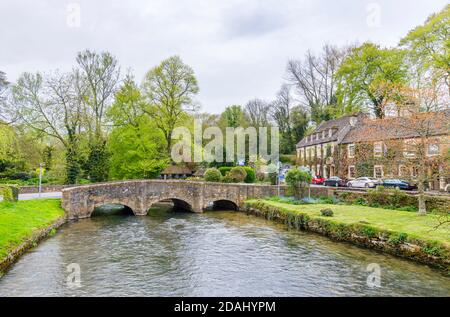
(397,232)
(21,221)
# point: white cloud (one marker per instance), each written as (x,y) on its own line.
(238,48)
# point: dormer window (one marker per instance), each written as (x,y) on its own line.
(323,134)
(330,133)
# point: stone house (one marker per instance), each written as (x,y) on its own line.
(318,150)
(393,147)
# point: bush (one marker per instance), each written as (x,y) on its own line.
(273,178)
(21,176)
(224,170)
(251,175)
(398,238)
(261,176)
(10,193)
(327,212)
(297,180)
(213,175)
(236,175)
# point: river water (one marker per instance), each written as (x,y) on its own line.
(213,254)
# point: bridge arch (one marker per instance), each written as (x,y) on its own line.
(178,204)
(114,209)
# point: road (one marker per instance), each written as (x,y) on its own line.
(36,196)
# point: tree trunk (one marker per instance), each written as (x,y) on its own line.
(421,188)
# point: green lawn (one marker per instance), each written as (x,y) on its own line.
(421,227)
(18,221)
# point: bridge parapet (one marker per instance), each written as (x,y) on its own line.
(80,202)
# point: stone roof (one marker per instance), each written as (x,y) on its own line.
(417,125)
(340,125)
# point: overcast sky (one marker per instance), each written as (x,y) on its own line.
(238,48)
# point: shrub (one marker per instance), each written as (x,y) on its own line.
(213,175)
(224,170)
(360,201)
(273,178)
(251,175)
(398,238)
(327,212)
(21,176)
(261,176)
(297,180)
(10,193)
(236,175)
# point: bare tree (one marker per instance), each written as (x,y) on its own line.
(51,106)
(257,111)
(97,76)
(281,113)
(314,80)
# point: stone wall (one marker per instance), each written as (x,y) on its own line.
(45,189)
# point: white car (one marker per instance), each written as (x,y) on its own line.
(364,182)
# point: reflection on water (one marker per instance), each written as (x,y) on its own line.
(214,254)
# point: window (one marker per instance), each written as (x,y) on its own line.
(415,172)
(312,153)
(319,151)
(378,172)
(323,134)
(378,149)
(402,170)
(351,172)
(351,151)
(330,133)
(302,154)
(409,148)
(433,149)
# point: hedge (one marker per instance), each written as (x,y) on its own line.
(10,193)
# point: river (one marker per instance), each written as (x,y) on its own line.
(212,254)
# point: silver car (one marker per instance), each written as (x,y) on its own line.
(364,182)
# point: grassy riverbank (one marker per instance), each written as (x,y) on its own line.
(19,222)
(398,232)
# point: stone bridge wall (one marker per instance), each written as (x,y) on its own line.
(80,202)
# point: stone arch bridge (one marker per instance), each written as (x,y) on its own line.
(80,202)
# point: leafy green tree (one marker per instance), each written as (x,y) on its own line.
(10,157)
(297,181)
(367,75)
(136,145)
(169,89)
(232,117)
(429,45)
(137,152)
(300,122)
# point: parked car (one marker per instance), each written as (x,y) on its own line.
(318,180)
(397,183)
(364,182)
(335,182)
